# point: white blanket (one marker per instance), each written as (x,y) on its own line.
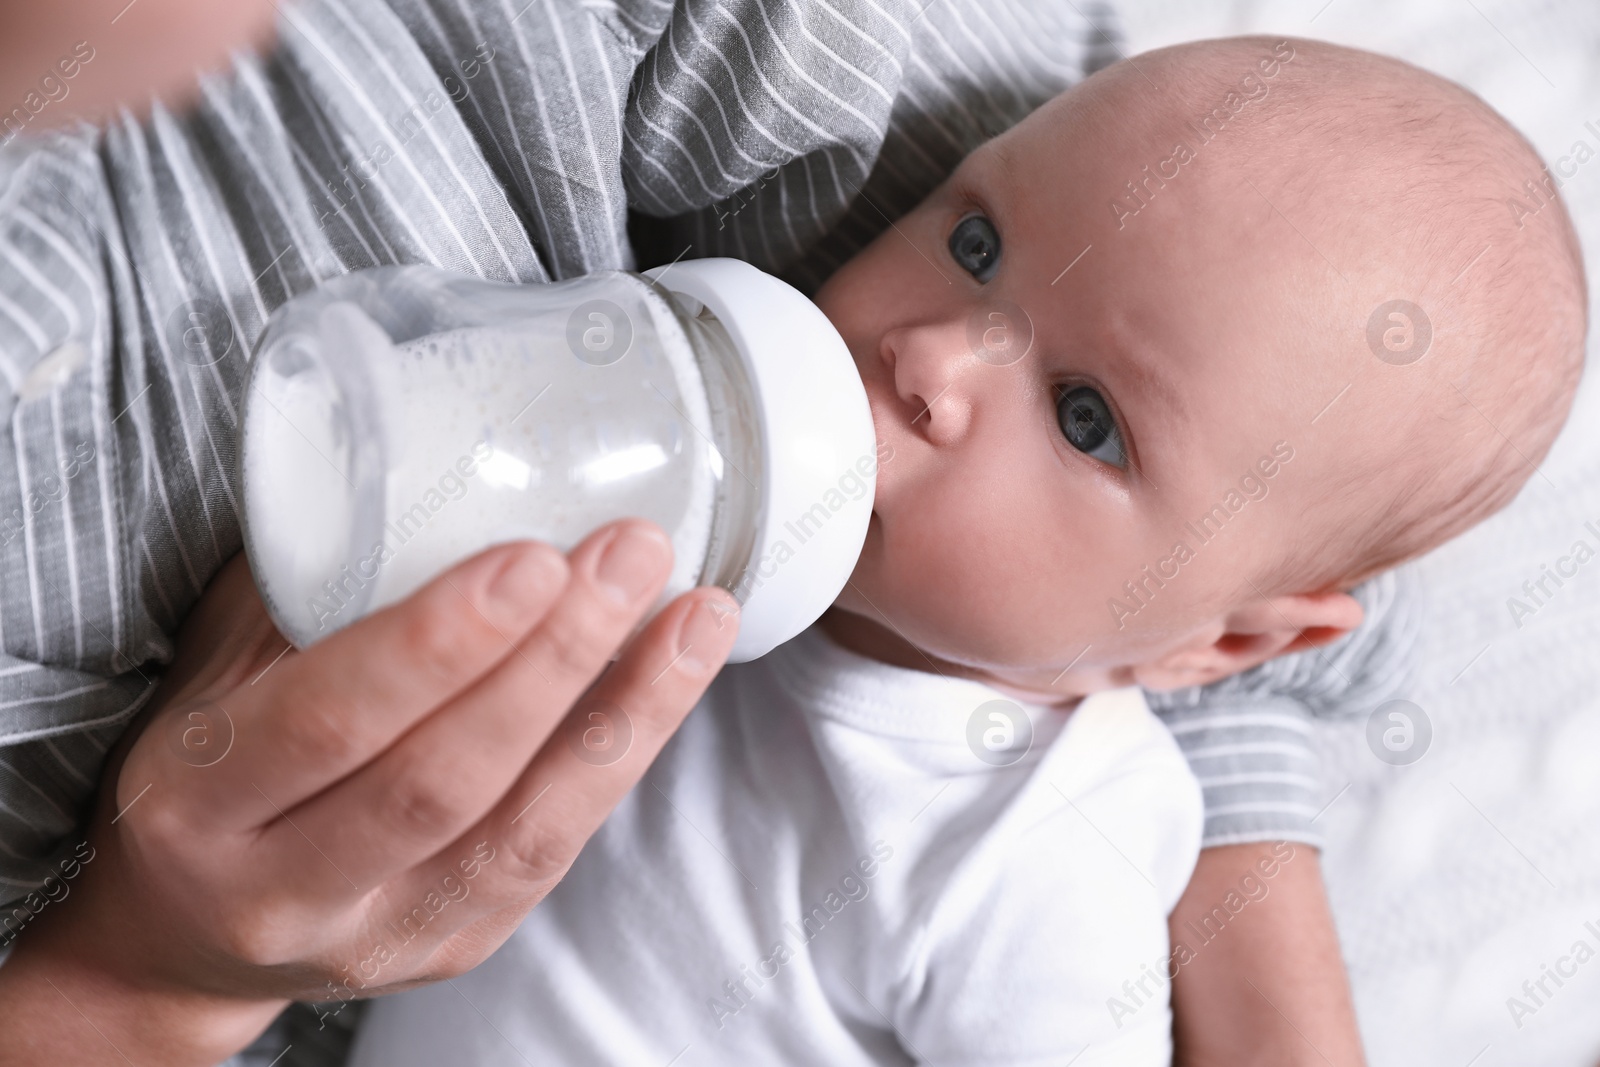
(1460,877)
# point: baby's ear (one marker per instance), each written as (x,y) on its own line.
(1251,635)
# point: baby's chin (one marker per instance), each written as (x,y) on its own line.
(877,627)
(855,625)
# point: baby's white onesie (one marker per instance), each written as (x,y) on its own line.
(826,866)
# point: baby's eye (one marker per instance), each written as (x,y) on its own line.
(1087,423)
(975,246)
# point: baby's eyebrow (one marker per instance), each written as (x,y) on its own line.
(1145,371)
(1167,403)
(1004,161)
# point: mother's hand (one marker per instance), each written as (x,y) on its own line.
(376,812)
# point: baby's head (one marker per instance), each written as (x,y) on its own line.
(1200,344)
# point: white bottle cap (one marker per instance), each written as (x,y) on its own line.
(817,433)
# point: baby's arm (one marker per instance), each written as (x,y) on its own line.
(1270,986)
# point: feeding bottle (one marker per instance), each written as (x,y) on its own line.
(400,419)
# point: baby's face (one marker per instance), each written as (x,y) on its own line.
(1163,379)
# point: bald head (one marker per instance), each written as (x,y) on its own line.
(1440,281)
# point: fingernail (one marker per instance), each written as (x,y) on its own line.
(707,633)
(630,565)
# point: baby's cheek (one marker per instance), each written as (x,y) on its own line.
(979,585)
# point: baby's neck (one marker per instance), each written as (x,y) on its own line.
(865,637)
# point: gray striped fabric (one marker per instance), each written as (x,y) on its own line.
(521,140)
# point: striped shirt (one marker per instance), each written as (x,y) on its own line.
(516,140)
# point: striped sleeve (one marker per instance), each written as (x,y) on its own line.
(1250,738)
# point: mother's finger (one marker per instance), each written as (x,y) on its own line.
(454,766)
(319,715)
(600,753)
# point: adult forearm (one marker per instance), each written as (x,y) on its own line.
(1260,978)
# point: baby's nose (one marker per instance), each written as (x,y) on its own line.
(933,367)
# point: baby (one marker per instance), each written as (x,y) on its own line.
(1158,374)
